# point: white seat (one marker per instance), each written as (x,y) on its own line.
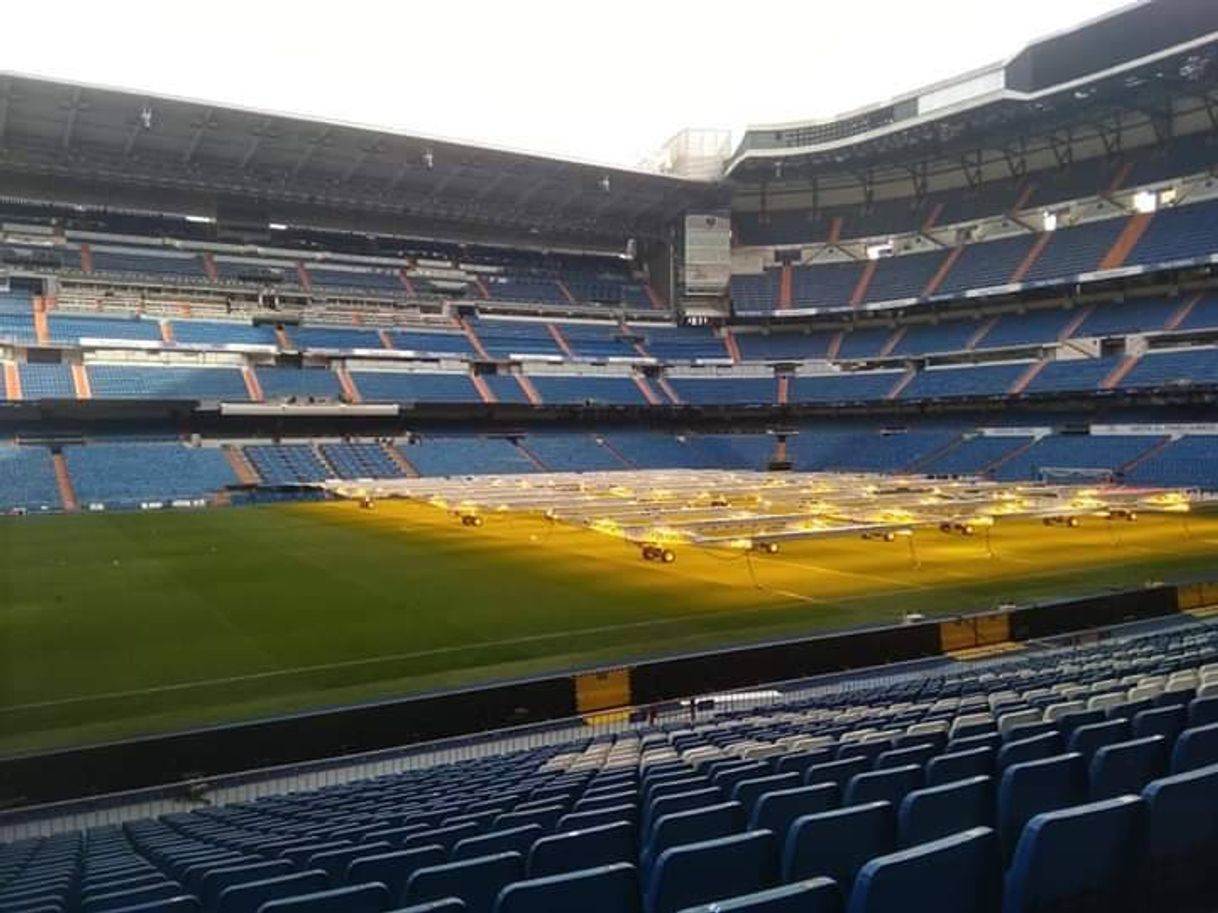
(1009,721)
(1104,701)
(969,719)
(1055,712)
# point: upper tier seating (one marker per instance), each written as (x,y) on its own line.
(1178,233)
(737,390)
(903,277)
(983,380)
(39,381)
(1071,251)
(791,346)
(1175,368)
(370,281)
(318,337)
(986,264)
(681,343)
(827,285)
(906,797)
(71,330)
(115,381)
(504,338)
(218,333)
(401,387)
(555,389)
(173,266)
(128,473)
(845,387)
(282,383)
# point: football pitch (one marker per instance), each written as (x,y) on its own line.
(122,624)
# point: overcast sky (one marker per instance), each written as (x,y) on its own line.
(608,82)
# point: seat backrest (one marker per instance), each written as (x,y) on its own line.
(961,873)
(838,772)
(334,862)
(747,792)
(815,895)
(1168,722)
(899,757)
(362,898)
(1037,786)
(1182,841)
(216,880)
(114,900)
(776,810)
(393,869)
(546,817)
(583,849)
(938,811)
(447,905)
(800,761)
(694,826)
(1083,857)
(1203,711)
(1019,751)
(883,785)
(680,802)
(1087,740)
(518,839)
(248,897)
(608,815)
(1124,768)
(183,903)
(476,881)
(836,843)
(1196,747)
(959,765)
(601,889)
(447,837)
(713,870)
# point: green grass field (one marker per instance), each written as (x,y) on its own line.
(114,625)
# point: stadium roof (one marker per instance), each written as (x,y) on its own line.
(100,146)
(1124,69)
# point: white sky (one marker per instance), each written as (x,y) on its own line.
(608,82)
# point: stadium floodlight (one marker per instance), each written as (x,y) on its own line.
(276,226)
(1049,220)
(1145,201)
(606,185)
(429,159)
(200,220)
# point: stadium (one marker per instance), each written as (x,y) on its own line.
(821,521)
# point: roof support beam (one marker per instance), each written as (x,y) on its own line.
(313,144)
(202,125)
(70,123)
(6,96)
(260,133)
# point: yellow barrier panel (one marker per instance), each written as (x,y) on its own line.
(980,631)
(1196,596)
(993,629)
(602,690)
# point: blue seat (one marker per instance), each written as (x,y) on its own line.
(714,870)
(1203,711)
(899,757)
(883,785)
(775,811)
(360,898)
(447,837)
(1124,768)
(476,881)
(334,862)
(1069,722)
(726,780)
(694,826)
(1034,787)
(961,873)
(583,849)
(394,869)
(183,903)
(546,817)
(1078,858)
(869,751)
(1182,835)
(747,792)
(1197,747)
(838,772)
(216,880)
(114,900)
(1034,749)
(1168,722)
(990,740)
(1181,698)
(960,765)
(248,897)
(937,811)
(679,802)
(799,762)
(602,889)
(611,814)
(835,844)
(1089,739)
(299,855)
(518,839)
(670,784)
(447,905)
(816,895)
(1028,731)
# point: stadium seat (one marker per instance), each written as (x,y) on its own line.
(937,811)
(183,903)
(364,898)
(679,802)
(960,765)
(961,873)
(838,772)
(889,785)
(249,897)
(714,870)
(518,839)
(1032,749)
(836,843)
(1124,768)
(1168,722)
(216,880)
(1087,740)
(747,792)
(1182,837)
(1195,748)
(1203,711)
(335,862)
(580,849)
(611,814)
(1081,857)
(601,889)
(694,826)
(1037,786)
(816,895)
(394,869)
(447,905)
(102,903)
(476,881)
(775,811)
